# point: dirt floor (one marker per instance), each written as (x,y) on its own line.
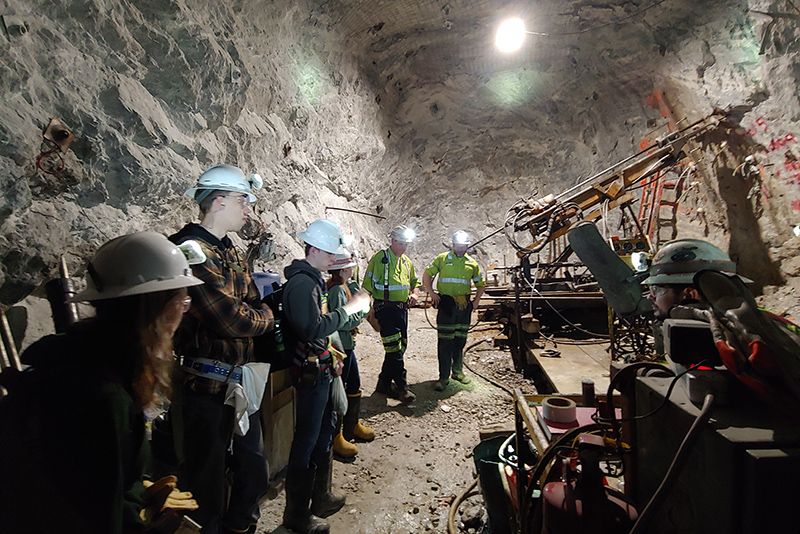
(421,459)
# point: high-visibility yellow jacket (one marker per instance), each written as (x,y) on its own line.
(400,273)
(456,275)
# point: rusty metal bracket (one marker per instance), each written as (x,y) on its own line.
(58,133)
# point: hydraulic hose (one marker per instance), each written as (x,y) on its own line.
(451,514)
(473,371)
(676,467)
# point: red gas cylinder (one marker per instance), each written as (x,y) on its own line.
(567,511)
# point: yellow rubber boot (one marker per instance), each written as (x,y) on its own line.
(352,427)
(342,447)
(364,433)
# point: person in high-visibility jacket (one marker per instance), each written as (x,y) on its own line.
(391,280)
(457,273)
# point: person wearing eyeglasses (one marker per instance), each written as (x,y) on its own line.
(214,340)
(671,276)
(72,427)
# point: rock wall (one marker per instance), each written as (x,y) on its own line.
(155,92)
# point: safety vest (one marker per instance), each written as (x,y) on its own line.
(456,275)
(398,275)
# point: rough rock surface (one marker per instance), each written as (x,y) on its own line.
(403,108)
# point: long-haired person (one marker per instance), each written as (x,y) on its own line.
(73,445)
(341,288)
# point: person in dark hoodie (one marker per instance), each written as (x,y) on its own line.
(310,471)
(72,427)
(214,340)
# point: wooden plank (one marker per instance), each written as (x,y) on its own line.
(530,324)
(576,363)
(281,399)
(277,415)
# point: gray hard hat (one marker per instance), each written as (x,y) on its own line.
(678,261)
(134,264)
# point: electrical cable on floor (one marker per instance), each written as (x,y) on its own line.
(451,514)
(425,308)
(451,527)
(473,371)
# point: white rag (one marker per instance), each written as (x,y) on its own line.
(246,397)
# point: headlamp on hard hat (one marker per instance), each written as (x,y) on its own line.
(641,261)
(403,234)
(461,238)
(256,181)
(193,252)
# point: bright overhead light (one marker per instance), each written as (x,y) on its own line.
(510,35)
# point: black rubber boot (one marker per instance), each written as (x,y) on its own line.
(324,502)
(297,515)
(385,388)
(405,395)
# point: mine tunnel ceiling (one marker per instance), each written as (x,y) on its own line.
(583,50)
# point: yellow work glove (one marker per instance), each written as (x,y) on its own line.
(336,353)
(163,494)
(461,302)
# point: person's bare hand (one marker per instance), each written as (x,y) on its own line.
(358,302)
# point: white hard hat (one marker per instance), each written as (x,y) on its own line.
(325,235)
(403,234)
(461,238)
(134,264)
(225,178)
(342,261)
(678,261)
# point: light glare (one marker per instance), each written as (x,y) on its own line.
(461,238)
(510,35)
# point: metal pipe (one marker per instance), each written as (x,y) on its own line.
(59,291)
(355,211)
(481,240)
(10,354)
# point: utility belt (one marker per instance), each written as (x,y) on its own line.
(212,369)
(403,305)
(305,372)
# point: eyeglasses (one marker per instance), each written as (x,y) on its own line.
(243,200)
(657,291)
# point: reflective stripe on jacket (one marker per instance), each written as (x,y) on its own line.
(402,277)
(456,275)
